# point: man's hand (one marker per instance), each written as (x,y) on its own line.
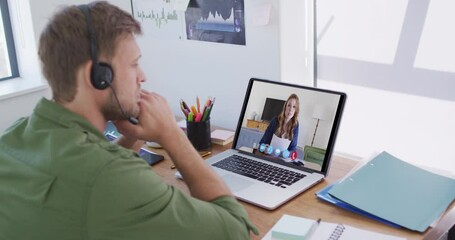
(156,120)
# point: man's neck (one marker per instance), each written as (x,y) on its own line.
(87,111)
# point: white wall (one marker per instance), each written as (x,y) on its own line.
(297,41)
(394,59)
(208,69)
(13,108)
(19,96)
(184,69)
(43,10)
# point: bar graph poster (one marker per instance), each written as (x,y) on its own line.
(221,21)
(160,19)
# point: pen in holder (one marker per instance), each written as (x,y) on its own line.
(199,134)
(198,123)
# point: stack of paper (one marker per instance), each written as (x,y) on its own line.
(395,192)
(222,137)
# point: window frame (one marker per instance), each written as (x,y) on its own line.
(11,47)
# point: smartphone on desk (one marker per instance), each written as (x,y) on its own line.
(149,156)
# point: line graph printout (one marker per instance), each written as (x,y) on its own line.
(216,21)
(160,18)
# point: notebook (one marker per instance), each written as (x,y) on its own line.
(322,231)
(222,137)
(269,176)
(335,231)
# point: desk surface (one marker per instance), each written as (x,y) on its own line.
(304,205)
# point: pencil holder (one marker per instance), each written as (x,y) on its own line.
(199,134)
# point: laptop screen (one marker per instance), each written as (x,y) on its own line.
(303,131)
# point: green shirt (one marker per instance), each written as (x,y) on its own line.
(61,179)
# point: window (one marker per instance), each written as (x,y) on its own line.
(8,61)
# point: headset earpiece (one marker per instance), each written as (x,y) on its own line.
(102,75)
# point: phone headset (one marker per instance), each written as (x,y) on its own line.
(101,74)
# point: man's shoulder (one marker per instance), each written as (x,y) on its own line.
(60,151)
(88,151)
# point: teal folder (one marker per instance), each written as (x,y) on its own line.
(324,195)
(397,191)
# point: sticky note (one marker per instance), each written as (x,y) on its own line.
(292,228)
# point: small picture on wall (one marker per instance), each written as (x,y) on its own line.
(216,21)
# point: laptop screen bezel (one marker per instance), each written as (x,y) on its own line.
(333,133)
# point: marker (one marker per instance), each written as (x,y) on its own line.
(206,114)
(198,117)
(193,110)
(184,104)
(190,117)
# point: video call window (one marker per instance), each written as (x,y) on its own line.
(306,131)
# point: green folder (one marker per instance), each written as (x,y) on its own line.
(397,191)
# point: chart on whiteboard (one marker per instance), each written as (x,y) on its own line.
(199,20)
(160,18)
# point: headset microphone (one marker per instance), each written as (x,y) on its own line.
(132,120)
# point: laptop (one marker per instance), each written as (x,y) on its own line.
(266,175)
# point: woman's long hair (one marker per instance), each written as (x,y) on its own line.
(288,132)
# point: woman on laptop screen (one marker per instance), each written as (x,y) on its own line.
(283,130)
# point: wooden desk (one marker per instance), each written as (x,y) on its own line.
(305,205)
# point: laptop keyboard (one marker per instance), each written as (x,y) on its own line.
(260,171)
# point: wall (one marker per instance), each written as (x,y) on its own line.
(208,69)
(184,69)
(43,10)
(395,61)
(19,106)
(297,41)
(29,18)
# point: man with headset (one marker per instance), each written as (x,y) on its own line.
(61,179)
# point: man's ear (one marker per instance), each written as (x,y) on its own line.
(84,73)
